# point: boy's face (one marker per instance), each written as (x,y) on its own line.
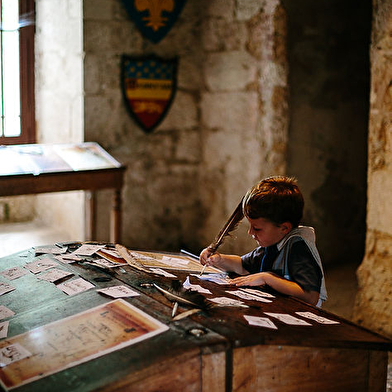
(267,233)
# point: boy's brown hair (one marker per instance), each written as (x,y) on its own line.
(277,199)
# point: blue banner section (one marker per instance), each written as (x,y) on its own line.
(154,18)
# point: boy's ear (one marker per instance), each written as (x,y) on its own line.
(286,227)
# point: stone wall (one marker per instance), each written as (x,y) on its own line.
(59,101)
(226,129)
(374,298)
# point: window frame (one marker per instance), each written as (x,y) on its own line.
(26,60)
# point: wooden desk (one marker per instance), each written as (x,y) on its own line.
(214,350)
(34,169)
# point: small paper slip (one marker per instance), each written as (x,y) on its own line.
(14,273)
(258,293)
(195,287)
(54,275)
(5,288)
(104,263)
(225,301)
(12,353)
(75,286)
(54,250)
(119,292)
(5,312)
(68,259)
(4,329)
(245,295)
(288,319)
(40,265)
(87,250)
(162,272)
(315,317)
(174,261)
(220,278)
(260,322)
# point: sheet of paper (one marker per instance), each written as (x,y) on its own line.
(12,353)
(54,250)
(260,322)
(5,288)
(68,258)
(258,293)
(160,271)
(4,329)
(174,261)
(195,287)
(14,273)
(315,317)
(77,339)
(287,319)
(119,292)
(104,263)
(39,265)
(225,301)
(75,286)
(220,278)
(245,295)
(54,275)
(87,249)
(5,312)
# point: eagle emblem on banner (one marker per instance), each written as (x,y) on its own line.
(154,18)
(148,86)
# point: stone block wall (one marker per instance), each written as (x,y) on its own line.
(226,129)
(374,298)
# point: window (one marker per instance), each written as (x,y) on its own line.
(17,106)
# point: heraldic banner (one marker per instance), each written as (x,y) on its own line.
(148,86)
(154,18)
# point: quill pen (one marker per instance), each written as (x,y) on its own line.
(229,226)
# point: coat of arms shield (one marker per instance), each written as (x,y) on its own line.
(148,86)
(154,18)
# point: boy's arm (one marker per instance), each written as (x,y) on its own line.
(279,284)
(230,263)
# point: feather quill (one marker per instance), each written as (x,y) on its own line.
(229,226)
(176,293)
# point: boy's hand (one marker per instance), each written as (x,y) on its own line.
(257,279)
(208,258)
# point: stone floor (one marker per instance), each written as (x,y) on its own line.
(341,279)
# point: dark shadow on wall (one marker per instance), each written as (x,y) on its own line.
(329,79)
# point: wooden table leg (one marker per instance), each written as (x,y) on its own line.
(116,218)
(91,215)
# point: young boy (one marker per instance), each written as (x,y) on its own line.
(287,258)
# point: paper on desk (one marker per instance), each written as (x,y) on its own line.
(245,295)
(225,301)
(87,250)
(39,265)
(258,292)
(4,329)
(315,317)
(5,312)
(160,271)
(288,319)
(5,288)
(75,286)
(119,292)
(14,273)
(104,263)
(174,261)
(12,353)
(219,278)
(260,321)
(68,258)
(53,250)
(195,287)
(54,275)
